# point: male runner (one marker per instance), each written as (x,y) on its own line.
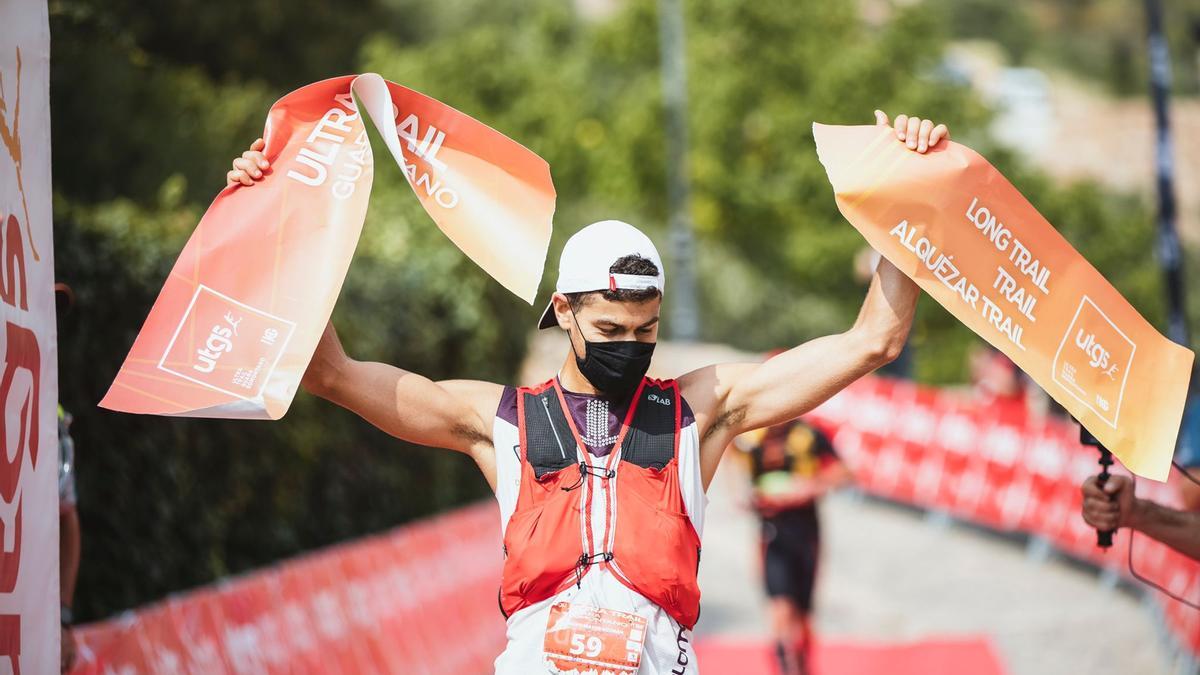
(600,472)
(792,465)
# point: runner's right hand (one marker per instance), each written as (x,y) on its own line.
(250,167)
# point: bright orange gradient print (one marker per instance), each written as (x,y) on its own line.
(240,314)
(955,225)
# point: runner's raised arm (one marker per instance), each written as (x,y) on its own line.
(454,414)
(729,399)
(736,397)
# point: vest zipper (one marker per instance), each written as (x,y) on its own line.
(550,420)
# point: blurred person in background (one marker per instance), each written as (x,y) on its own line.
(607,534)
(1001,388)
(995,379)
(69,534)
(1114,506)
(792,465)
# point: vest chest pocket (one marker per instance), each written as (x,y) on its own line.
(542,545)
(658,550)
(650,513)
(655,488)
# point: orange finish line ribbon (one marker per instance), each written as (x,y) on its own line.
(950,221)
(242,311)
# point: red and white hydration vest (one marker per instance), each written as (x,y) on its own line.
(619,533)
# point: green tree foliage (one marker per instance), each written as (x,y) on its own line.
(1008,23)
(775,253)
(1102,40)
(150,103)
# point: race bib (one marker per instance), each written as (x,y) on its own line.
(586,639)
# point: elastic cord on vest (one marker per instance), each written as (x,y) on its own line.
(585,560)
(585,470)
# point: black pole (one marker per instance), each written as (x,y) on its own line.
(683,308)
(1104,538)
(1169,251)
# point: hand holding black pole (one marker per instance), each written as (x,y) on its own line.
(1104,538)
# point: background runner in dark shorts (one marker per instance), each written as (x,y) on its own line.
(791,466)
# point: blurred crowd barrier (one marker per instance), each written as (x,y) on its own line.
(998,466)
(420,599)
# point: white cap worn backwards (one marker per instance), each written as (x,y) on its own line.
(590,253)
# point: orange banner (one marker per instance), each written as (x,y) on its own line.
(953,223)
(240,314)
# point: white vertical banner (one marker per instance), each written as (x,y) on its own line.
(29,630)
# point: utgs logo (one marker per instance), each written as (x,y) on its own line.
(1098,356)
(1094,361)
(219,341)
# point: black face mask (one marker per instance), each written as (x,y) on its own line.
(615,368)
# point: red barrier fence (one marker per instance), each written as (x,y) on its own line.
(997,466)
(420,599)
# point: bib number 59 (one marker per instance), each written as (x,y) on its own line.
(589,646)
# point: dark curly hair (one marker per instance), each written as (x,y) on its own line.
(630,264)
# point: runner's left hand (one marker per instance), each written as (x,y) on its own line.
(248,169)
(916,133)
